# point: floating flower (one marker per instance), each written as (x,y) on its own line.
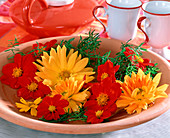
(52,107)
(26,106)
(32,89)
(139,91)
(70,91)
(104,95)
(57,66)
(14,72)
(45,46)
(107,70)
(97,116)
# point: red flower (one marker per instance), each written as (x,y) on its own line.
(97,116)
(103,98)
(31,89)
(136,60)
(146,62)
(22,67)
(45,46)
(129,53)
(104,94)
(52,107)
(107,70)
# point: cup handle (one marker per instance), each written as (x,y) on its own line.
(139,24)
(26,10)
(94,10)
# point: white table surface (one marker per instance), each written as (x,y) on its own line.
(156,128)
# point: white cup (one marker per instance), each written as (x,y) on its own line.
(157,24)
(122,18)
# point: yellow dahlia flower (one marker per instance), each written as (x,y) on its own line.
(57,67)
(139,91)
(70,91)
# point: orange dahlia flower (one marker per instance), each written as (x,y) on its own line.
(139,91)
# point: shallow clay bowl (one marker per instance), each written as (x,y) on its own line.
(8,97)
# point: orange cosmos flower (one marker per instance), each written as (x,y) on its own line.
(139,91)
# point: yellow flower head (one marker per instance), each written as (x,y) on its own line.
(26,106)
(139,59)
(139,91)
(57,67)
(70,91)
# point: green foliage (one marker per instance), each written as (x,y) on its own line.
(74,116)
(37,51)
(153,70)
(87,47)
(13,47)
(128,66)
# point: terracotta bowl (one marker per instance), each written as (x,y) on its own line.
(8,97)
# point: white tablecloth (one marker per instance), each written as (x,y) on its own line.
(156,128)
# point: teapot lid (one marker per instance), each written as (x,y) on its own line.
(59,2)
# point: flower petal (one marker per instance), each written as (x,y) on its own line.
(33,112)
(73,105)
(80,65)
(72,60)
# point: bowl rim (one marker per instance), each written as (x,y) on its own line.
(130,121)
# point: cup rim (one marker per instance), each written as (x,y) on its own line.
(126,8)
(158,14)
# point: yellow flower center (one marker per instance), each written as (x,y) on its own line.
(102,99)
(139,59)
(140,90)
(51,108)
(30,104)
(104,75)
(140,94)
(17,72)
(99,113)
(64,74)
(33,86)
(63,93)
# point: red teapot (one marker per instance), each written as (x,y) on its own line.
(43,20)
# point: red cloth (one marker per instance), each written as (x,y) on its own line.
(4,28)
(6,24)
